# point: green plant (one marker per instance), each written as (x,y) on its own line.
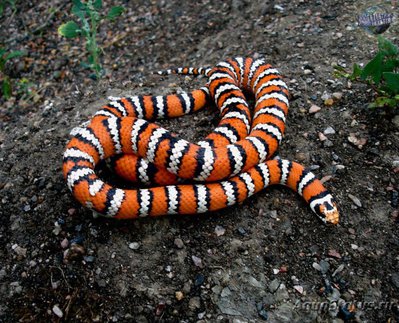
(89,17)
(5,56)
(3,4)
(381,73)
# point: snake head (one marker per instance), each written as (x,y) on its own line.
(326,209)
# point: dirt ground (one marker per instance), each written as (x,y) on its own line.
(268,259)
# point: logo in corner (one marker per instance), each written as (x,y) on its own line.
(375,19)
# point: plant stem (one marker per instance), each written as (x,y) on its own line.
(93,48)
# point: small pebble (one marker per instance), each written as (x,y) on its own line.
(322,137)
(354,246)
(334,253)
(19,250)
(64,243)
(57,311)
(329,102)
(197,261)
(325,179)
(179,295)
(329,131)
(314,109)
(179,243)
(274,285)
(359,142)
(199,280)
(328,143)
(299,289)
(316,266)
(337,95)
(89,259)
(134,245)
(338,270)
(324,265)
(194,303)
(301,156)
(219,230)
(355,200)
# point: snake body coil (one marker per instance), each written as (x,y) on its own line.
(231,164)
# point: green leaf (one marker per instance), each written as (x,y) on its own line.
(2,51)
(115,12)
(389,65)
(373,69)
(78,12)
(357,71)
(69,30)
(15,53)
(392,81)
(386,47)
(97,4)
(6,88)
(79,4)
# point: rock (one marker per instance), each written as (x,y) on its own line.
(316,266)
(303,156)
(15,288)
(262,311)
(19,250)
(57,311)
(226,306)
(355,200)
(179,243)
(64,243)
(322,137)
(358,142)
(325,179)
(255,283)
(328,143)
(134,245)
(334,253)
(179,295)
(197,261)
(283,313)
(299,289)
(337,95)
(89,259)
(338,270)
(324,265)
(225,292)
(282,293)
(274,285)
(194,303)
(314,109)
(329,102)
(329,131)
(219,230)
(335,295)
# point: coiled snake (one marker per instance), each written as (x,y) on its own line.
(231,164)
